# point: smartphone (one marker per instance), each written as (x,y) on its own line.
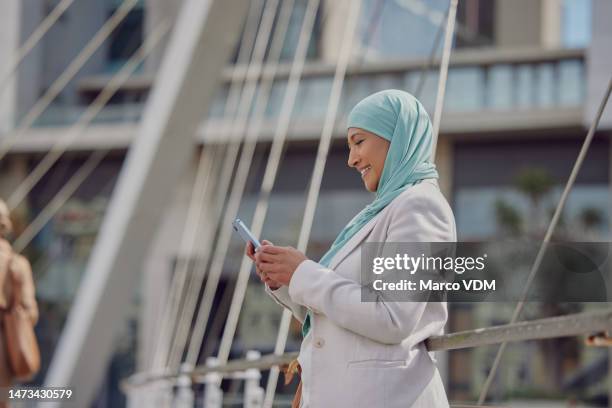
(244,232)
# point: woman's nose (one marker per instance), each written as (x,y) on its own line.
(352,159)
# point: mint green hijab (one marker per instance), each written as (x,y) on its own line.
(401,119)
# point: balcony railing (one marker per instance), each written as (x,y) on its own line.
(479,81)
(64,115)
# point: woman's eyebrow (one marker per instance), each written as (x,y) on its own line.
(351,137)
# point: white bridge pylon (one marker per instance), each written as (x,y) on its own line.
(204,36)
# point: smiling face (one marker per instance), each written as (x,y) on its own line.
(367,154)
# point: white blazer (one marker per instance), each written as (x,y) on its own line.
(371,354)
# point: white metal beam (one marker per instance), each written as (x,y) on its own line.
(204,36)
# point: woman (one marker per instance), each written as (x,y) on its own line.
(369,354)
(16,289)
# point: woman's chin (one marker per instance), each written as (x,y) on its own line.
(369,187)
(370,183)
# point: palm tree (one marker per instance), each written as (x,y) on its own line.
(536,184)
(508,218)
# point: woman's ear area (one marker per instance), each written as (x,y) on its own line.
(387,145)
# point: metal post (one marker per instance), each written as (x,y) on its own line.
(240,179)
(134,397)
(213,394)
(317,174)
(184,395)
(172,302)
(162,395)
(253,392)
(269,177)
(240,125)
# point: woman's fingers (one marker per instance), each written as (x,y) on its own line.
(250,251)
(265,278)
(273,250)
(262,276)
(262,256)
(269,268)
(263,262)
(271,282)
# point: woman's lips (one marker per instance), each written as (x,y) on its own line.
(365,171)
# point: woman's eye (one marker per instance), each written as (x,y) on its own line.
(359,142)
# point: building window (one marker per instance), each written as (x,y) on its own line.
(408,28)
(292,35)
(126,38)
(474,24)
(576,23)
(399,28)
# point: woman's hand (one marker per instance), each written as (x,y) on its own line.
(278,263)
(250,251)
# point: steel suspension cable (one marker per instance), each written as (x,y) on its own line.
(198,319)
(317,175)
(236,195)
(75,131)
(432,58)
(203,188)
(33,40)
(162,345)
(448,43)
(238,187)
(435,17)
(95,158)
(311,206)
(269,176)
(551,228)
(379,7)
(67,75)
(59,200)
(218,258)
(240,126)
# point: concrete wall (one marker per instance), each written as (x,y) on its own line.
(510,15)
(528,23)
